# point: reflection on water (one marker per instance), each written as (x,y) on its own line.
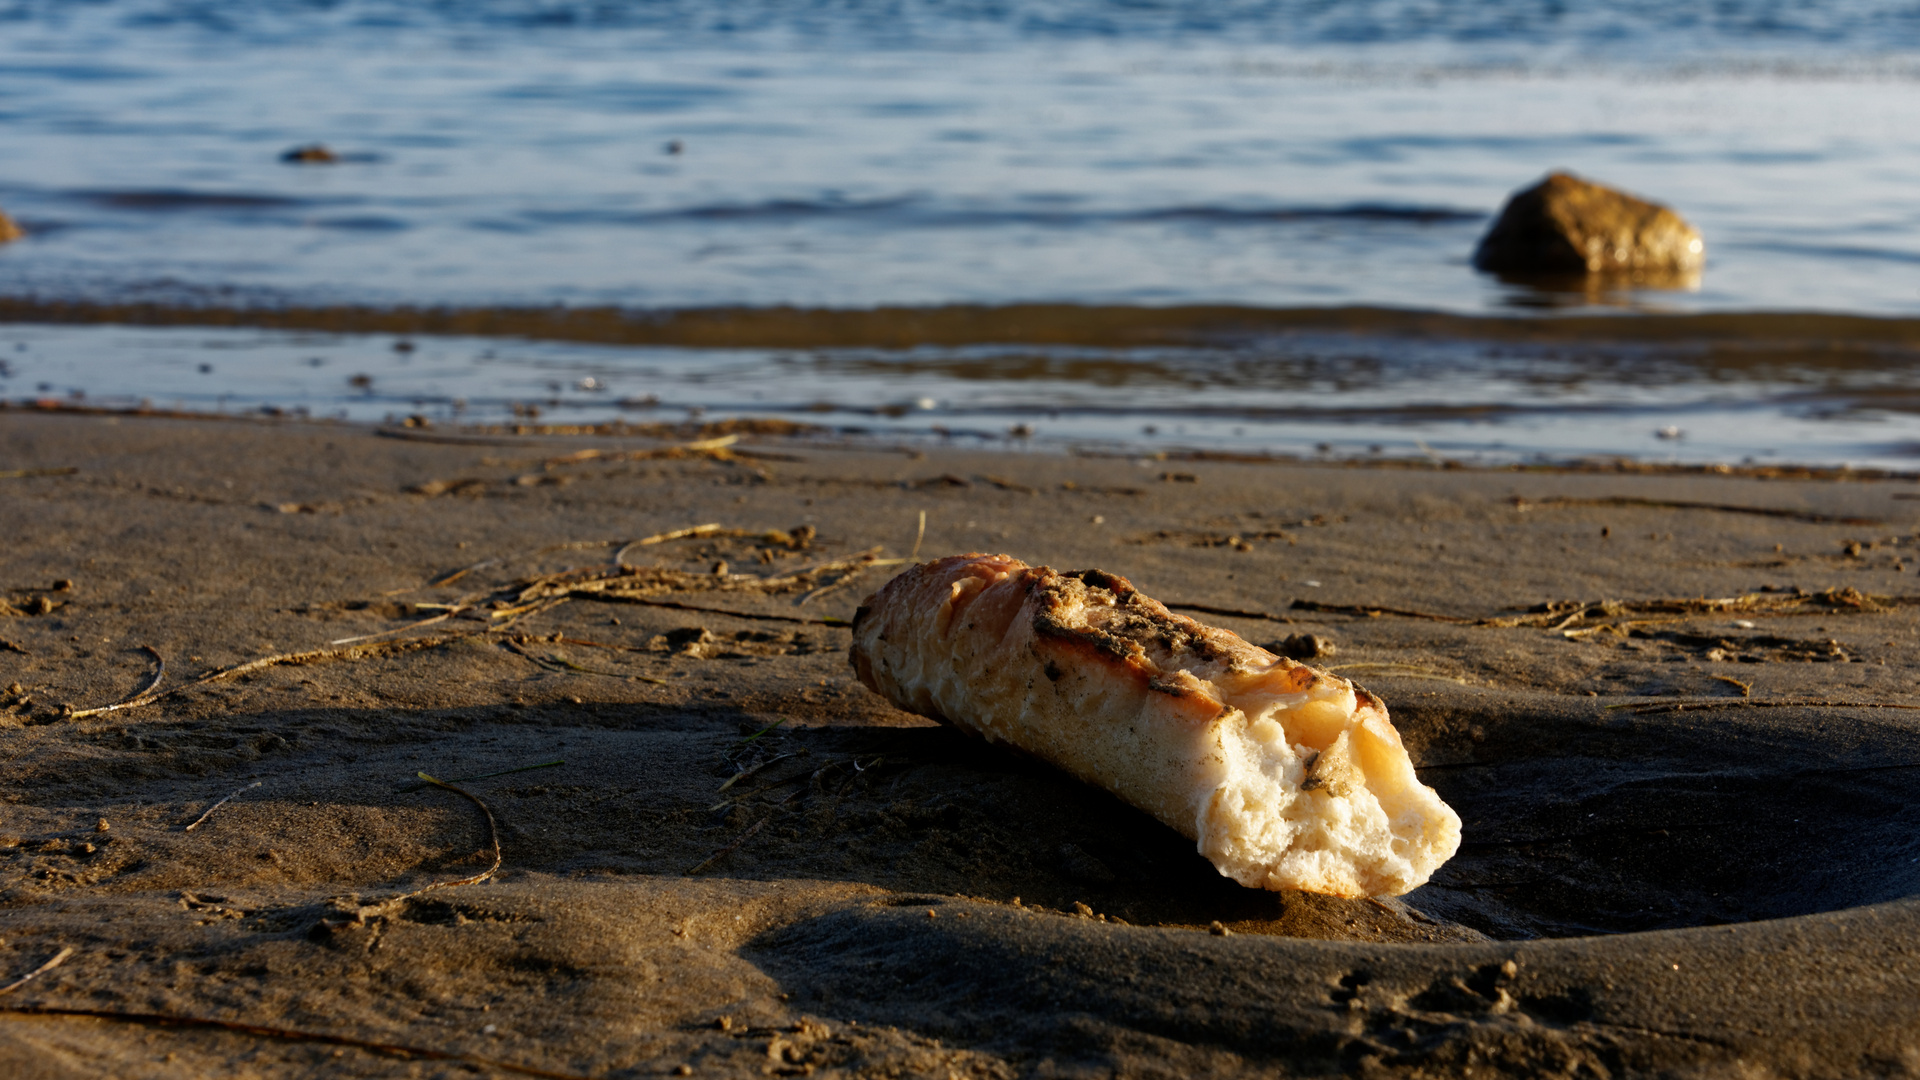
(1637,290)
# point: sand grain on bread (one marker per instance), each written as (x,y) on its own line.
(1286,777)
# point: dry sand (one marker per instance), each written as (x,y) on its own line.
(1650,890)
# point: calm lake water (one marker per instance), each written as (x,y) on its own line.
(515,154)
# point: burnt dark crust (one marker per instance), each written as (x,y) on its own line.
(1169,687)
(1046,625)
(1120,587)
(1136,623)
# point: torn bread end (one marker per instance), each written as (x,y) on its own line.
(1345,815)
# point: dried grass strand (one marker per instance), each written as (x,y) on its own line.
(647,601)
(1371,611)
(308,656)
(1839,600)
(140,697)
(202,819)
(558,662)
(843,581)
(1648,708)
(1405,671)
(1746,688)
(58,959)
(422,786)
(493,840)
(440,618)
(460,573)
(749,771)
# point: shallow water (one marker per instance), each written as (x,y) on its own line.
(1305,394)
(662,156)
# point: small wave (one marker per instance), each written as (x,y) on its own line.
(1680,29)
(369,223)
(785,208)
(166,199)
(1417,215)
(916,211)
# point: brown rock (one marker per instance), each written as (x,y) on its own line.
(1302,647)
(311,154)
(8,230)
(1565,225)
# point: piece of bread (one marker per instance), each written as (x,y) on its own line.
(1287,777)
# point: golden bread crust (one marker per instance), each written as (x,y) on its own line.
(1284,775)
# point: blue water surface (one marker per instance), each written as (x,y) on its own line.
(666,154)
(852,153)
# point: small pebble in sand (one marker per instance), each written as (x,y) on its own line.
(1303,646)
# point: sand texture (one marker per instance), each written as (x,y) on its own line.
(1689,828)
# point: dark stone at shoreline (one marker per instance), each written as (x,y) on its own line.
(311,154)
(1566,226)
(1303,647)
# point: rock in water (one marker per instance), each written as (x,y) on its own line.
(1565,225)
(311,154)
(8,230)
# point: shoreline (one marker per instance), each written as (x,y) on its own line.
(862,440)
(1804,400)
(1643,772)
(1766,332)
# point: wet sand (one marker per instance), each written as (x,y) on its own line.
(1689,842)
(1749,337)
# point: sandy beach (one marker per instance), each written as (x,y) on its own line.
(1674,711)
